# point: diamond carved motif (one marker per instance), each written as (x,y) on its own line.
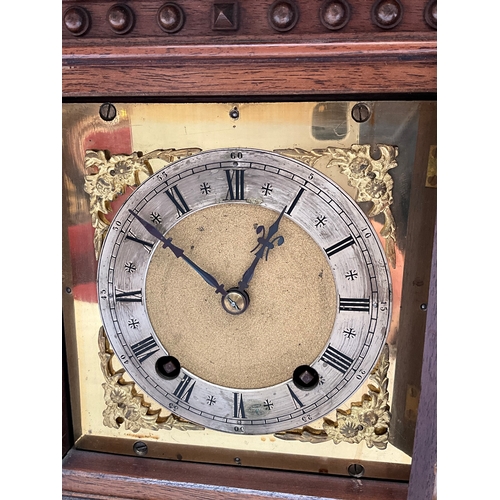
(225,16)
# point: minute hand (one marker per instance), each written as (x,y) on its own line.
(266,244)
(179,252)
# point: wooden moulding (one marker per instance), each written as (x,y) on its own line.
(361,67)
(102,476)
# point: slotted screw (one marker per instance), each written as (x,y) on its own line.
(107,112)
(360,112)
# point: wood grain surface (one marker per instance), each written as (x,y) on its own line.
(250,70)
(110,477)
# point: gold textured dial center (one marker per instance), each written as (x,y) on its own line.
(292,295)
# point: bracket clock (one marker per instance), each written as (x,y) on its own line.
(249,196)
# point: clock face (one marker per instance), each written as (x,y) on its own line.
(244,291)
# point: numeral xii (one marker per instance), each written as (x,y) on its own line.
(235,184)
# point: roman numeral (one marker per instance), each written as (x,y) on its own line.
(239,409)
(341,245)
(146,244)
(336,359)
(185,388)
(176,198)
(296,401)
(132,296)
(145,348)
(360,305)
(294,202)
(236,184)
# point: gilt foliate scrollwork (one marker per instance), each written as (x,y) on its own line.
(368,175)
(125,406)
(108,176)
(366,420)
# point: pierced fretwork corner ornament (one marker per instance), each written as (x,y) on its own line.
(369,176)
(367,420)
(109,176)
(125,406)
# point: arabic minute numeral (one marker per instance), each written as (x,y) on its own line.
(366,232)
(161,176)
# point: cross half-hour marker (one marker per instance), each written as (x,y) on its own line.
(336,359)
(341,245)
(347,304)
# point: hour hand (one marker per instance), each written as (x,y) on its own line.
(179,252)
(266,244)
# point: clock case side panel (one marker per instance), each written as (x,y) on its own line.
(71,421)
(416,286)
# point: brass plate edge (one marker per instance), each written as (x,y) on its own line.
(242,458)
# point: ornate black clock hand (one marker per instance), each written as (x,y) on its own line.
(179,252)
(266,244)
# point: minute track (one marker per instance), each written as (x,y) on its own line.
(251,414)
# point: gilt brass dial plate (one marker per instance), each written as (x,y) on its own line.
(319,294)
(381,164)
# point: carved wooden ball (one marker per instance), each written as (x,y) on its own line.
(283,15)
(335,14)
(120,18)
(77,21)
(170,17)
(387,14)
